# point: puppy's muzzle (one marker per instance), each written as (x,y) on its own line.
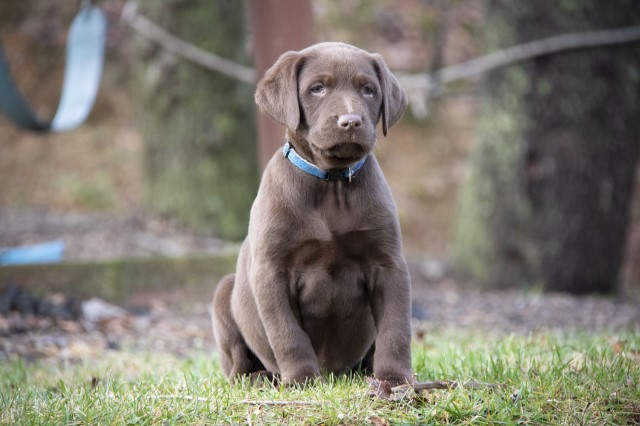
(349,130)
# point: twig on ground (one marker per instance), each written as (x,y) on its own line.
(187,397)
(383,389)
(243,401)
(278,403)
(446,384)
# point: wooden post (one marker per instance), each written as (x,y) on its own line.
(278,26)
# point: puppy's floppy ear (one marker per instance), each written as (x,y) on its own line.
(394,98)
(277,92)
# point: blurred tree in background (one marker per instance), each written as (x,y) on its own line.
(198,126)
(549,191)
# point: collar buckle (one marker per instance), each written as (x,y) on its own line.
(335,174)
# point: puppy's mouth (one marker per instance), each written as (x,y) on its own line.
(345,152)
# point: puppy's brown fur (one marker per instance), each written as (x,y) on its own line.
(321,283)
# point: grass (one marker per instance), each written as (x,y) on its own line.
(567,378)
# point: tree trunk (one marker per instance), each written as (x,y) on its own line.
(199,126)
(549,194)
(630,281)
(278,26)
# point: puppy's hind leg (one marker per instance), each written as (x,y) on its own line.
(236,358)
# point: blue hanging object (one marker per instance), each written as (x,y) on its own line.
(83,69)
(49,252)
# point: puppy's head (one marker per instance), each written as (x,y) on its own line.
(331,97)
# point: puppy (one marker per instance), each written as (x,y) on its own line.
(321,284)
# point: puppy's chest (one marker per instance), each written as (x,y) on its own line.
(337,208)
(332,276)
(334,257)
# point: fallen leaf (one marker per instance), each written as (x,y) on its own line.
(379,388)
(617,345)
(378,421)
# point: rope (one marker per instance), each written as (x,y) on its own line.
(411,82)
(422,86)
(181,48)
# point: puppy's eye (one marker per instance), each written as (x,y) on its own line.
(317,89)
(368,90)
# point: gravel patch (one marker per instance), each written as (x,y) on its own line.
(447,304)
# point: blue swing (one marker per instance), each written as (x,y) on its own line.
(83,69)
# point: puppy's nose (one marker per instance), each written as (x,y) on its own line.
(349,121)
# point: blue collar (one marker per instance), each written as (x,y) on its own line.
(330,175)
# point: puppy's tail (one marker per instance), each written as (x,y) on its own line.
(225,331)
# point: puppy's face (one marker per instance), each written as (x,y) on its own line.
(331,96)
(340,99)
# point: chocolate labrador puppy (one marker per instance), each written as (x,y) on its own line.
(321,284)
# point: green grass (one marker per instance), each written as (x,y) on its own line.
(548,378)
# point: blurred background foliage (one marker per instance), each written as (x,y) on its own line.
(168,139)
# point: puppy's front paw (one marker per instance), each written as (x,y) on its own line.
(301,375)
(395,377)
